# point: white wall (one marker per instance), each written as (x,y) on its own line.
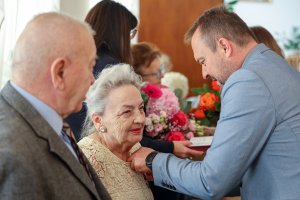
(278,16)
(76,8)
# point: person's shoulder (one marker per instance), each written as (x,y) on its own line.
(90,146)
(86,142)
(104,59)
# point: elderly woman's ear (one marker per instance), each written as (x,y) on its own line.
(97,120)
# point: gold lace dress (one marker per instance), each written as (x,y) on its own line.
(121,182)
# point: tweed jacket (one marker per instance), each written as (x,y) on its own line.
(35,163)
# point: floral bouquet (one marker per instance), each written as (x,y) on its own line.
(208,111)
(164,118)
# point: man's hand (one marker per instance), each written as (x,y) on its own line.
(182,150)
(138,160)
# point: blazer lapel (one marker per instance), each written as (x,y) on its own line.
(44,131)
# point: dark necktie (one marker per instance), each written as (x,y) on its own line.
(68,132)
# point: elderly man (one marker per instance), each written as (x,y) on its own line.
(257,140)
(51,73)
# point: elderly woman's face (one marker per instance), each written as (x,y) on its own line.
(124,115)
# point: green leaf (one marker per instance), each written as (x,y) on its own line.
(206,88)
(232,2)
(178,92)
(197,91)
(204,122)
(144,97)
(185,106)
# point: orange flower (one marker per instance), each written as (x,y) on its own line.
(207,101)
(199,114)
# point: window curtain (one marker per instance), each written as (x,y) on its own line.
(14,15)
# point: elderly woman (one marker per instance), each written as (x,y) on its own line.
(113,130)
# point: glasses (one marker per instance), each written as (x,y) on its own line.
(164,68)
(133,33)
(158,74)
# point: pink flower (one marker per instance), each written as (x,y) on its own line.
(158,128)
(155,118)
(175,136)
(148,121)
(152,91)
(189,135)
(149,128)
(167,102)
(192,125)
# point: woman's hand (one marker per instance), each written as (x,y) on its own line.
(182,150)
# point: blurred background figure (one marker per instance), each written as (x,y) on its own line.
(114,126)
(147,62)
(115,26)
(166,63)
(262,35)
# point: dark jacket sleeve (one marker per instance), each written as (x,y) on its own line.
(158,145)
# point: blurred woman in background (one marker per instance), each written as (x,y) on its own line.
(262,35)
(114,27)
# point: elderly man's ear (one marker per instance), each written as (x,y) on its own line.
(58,72)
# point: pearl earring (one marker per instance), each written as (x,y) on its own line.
(102,129)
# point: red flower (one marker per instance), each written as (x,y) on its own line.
(175,136)
(152,91)
(199,114)
(215,85)
(180,118)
